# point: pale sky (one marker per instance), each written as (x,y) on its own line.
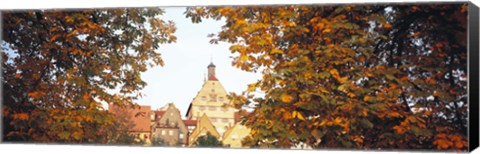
(186,62)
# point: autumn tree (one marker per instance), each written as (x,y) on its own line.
(60,66)
(350,76)
(208,140)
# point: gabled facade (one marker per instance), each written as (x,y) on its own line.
(233,137)
(204,125)
(212,101)
(169,126)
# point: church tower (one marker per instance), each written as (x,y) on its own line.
(211,72)
(212,101)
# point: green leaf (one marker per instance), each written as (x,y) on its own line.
(64,135)
(366,123)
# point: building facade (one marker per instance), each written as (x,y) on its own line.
(204,126)
(169,126)
(212,101)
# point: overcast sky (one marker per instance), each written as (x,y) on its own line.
(186,62)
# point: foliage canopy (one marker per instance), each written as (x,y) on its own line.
(60,66)
(350,76)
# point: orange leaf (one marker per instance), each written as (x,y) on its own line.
(286,98)
(21,116)
(36,94)
(387,26)
(327,30)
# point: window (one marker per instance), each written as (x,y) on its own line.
(213,90)
(170,132)
(213,119)
(213,97)
(163,132)
(202,108)
(220,99)
(181,136)
(224,120)
(212,108)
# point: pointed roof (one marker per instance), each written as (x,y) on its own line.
(212,77)
(206,90)
(203,125)
(211,65)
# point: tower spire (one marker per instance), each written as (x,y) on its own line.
(211,71)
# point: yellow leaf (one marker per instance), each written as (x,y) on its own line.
(243,58)
(251,88)
(323,90)
(276,51)
(334,72)
(327,30)
(300,116)
(337,121)
(77,135)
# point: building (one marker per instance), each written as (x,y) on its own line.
(136,118)
(191,124)
(169,126)
(212,101)
(204,126)
(234,135)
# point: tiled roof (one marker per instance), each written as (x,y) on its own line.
(190,122)
(212,78)
(158,114)
(237,116)
(138,118)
